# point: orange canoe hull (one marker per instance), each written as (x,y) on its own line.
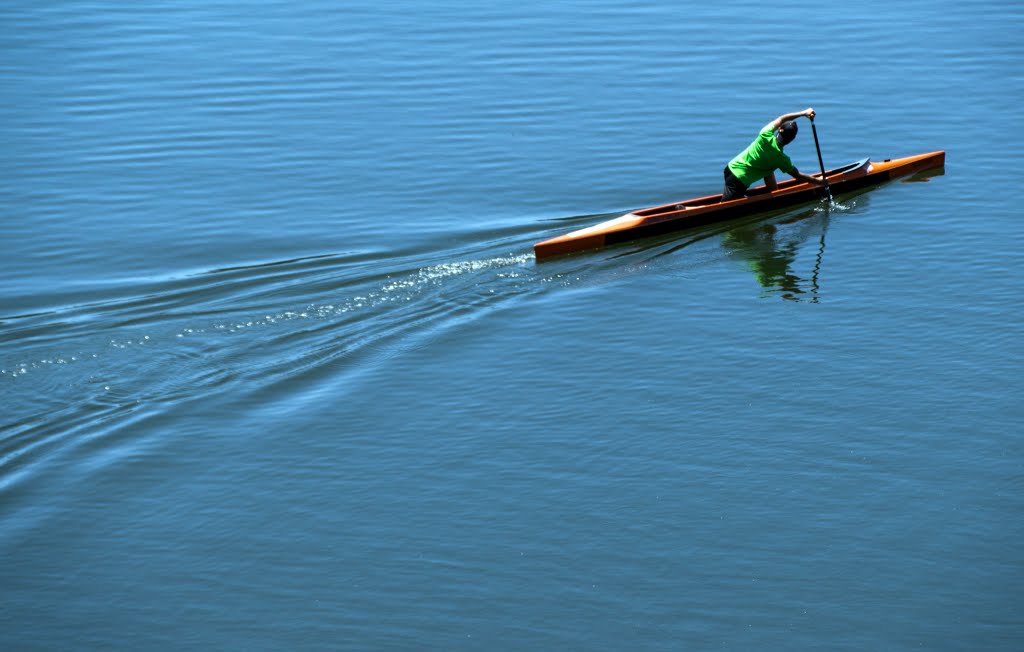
(706,210)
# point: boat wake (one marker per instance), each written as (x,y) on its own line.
(84,374)
(78,379)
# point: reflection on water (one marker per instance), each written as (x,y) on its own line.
(771,251)
(925,175)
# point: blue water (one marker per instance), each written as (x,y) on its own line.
(278,369)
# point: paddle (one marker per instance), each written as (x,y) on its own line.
(820,162)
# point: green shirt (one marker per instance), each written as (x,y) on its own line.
(762,158)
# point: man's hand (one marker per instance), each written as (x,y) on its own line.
(777,122)
(806,178)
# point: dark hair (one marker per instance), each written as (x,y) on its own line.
(787,132)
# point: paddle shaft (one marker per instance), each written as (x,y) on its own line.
(820,162)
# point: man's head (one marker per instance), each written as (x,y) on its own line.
(787,132)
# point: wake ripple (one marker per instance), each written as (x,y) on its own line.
(88,371)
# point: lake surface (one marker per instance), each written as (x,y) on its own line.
(279,371)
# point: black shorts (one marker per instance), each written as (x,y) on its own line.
(734,188)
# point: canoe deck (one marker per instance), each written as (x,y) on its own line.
(691,213)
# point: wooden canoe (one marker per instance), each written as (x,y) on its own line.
(705,210)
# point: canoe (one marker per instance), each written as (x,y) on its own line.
(705,210)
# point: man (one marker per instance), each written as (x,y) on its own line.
(764,156)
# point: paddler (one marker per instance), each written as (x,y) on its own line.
(764,156)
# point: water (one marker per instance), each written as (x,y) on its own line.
(279,371)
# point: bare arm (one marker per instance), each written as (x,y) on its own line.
(800,176)
(777,122)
